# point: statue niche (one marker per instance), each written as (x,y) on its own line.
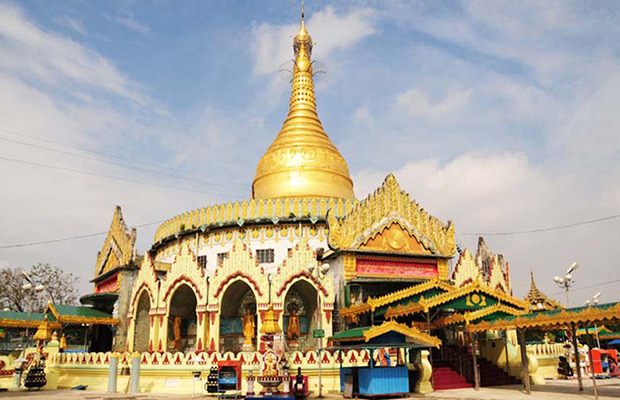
(299,316)
(182,323)
(238,318)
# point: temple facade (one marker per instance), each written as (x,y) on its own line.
(301,244)
(301,259)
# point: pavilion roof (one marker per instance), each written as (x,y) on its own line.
(468,297)
(553,319)
(18,319)
(404,296)
(57,315)
(602,331)
(367,333)
(80,315)
(487,313)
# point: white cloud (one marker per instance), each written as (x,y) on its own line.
(416,103)
(60,90)
(363,116)
(56,60)
(273,44)
(131,23)
(72,23)
(507,192)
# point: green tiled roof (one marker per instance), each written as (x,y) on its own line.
(351,333)
(79,311)
(21,316)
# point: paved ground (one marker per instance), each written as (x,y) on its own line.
(553,390)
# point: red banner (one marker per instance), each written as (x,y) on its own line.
(397,269)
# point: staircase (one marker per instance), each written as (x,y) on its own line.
(446,378)
(492,375)
(455,371)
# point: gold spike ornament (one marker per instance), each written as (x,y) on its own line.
(302,161)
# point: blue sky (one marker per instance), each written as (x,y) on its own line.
(500,116)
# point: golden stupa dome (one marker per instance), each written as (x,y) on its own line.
(302,161)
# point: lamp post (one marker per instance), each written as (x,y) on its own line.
(34,290)
(321,271)
(567,281)
(594,302)
(589,303)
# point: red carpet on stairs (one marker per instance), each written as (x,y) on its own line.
(445,378)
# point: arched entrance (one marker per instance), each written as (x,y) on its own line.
(182,324)
(141,332)
(300,300)
(236,301)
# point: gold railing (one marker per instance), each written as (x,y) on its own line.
(247,211)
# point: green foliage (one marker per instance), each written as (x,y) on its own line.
(60,288)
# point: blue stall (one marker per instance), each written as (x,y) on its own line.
(385,376)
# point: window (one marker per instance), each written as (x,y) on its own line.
(265,256)
(202,261)
(220,258)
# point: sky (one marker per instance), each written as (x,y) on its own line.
(500,116)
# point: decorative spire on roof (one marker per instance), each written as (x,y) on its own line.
(537,300)
(302,161)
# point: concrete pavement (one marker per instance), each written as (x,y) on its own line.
(553,390)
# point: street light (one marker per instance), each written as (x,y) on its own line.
(567,281)
(30,286)
(321,271)
(594,302)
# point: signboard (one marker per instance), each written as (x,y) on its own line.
(318,333)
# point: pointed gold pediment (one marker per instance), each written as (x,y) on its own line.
(119,246)
(394,238)
(389,220)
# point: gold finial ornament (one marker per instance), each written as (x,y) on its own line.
(43,331)
(302,161)
(270,323)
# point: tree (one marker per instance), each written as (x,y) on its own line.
(60,287)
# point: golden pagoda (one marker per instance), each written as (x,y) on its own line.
(302,161)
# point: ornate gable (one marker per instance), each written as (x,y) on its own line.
(388,220)
(497,278)
(466,270)
(119,246)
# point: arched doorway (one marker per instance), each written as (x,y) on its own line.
(236,301)
(142,327)
(182,324)
(301,300)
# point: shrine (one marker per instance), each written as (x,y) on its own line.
(302,278)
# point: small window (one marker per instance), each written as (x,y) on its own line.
(202,261)
(220,258)
(265,256)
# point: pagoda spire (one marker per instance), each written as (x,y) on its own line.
(537,299)
(302,161)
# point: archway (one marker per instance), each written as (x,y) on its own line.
(301,300)
(182,324)
(236,301)
(141,332)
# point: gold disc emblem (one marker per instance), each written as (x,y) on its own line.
(396,239)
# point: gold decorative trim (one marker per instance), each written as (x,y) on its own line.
(350,266)
(477,286)
(412,332)
(558,320)
(468,317)
(233,212)
(387,205)
(355,310)
(372,304)
(118,247)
